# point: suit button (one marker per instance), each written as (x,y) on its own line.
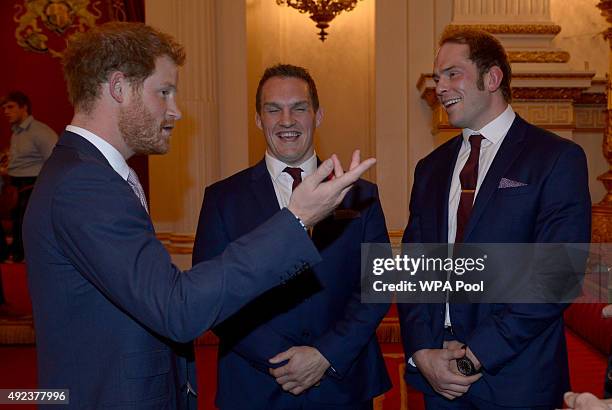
(305,334)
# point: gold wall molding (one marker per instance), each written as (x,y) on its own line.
(575,92)
(181,238)
(546,93)
(590,118)
(602,223)
(396,234)
(538,56)
(547,114)
(178,244)
(524,93)
(557,115)
(178,250)
(592,98)
(551,29)
(564,76)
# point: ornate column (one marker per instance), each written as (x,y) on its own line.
(602,212)
(198,155)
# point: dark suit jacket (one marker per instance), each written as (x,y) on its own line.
(521,346)
(109,306)
(321,308)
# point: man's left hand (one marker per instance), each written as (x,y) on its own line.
(305,368)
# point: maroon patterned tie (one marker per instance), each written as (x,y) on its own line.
(468,178)
(296,174)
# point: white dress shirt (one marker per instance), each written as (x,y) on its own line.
(282,181)
(494,134)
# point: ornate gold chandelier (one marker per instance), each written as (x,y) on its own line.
(321,11)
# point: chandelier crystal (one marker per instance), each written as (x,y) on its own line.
(321,11)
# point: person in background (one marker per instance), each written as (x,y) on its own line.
(31,144)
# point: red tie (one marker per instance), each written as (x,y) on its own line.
(468,178)
(296,174)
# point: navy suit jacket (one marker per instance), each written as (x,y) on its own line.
(321,308)
(521,346)
(110,308)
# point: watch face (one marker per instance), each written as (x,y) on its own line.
(465,366)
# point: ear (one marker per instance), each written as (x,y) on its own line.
(319,117)
(258,121)
(118,86)
(493,78)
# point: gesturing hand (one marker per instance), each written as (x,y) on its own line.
(305,368)
(437,367)
(314,199)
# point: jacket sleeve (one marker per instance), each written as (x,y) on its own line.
(343,342)
(257,342)
(108,237)
(415,319)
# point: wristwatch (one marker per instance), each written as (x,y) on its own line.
(466,366)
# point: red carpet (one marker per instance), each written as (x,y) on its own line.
(15,286)
(18,363)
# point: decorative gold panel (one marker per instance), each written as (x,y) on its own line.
(62,18)
(538,56)
(590,117)
(546,93)
(602,223)
(510,28)
(592,98)
(557,114)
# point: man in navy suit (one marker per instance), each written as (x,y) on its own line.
(112,313)
(502,180)
(310,343)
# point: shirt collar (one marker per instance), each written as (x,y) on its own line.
(276,167)
(24,125)
(114,157)
(496,130)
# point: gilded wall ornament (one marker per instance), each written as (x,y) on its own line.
(510,28)
(62,18)
(538,56)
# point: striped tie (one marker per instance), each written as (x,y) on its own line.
(134,182)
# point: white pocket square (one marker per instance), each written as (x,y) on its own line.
(508,183)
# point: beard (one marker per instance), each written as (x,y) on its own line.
(140,131)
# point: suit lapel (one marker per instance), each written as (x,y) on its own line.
(508,152)
(263,191)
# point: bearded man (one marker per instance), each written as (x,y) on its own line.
(112,313)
